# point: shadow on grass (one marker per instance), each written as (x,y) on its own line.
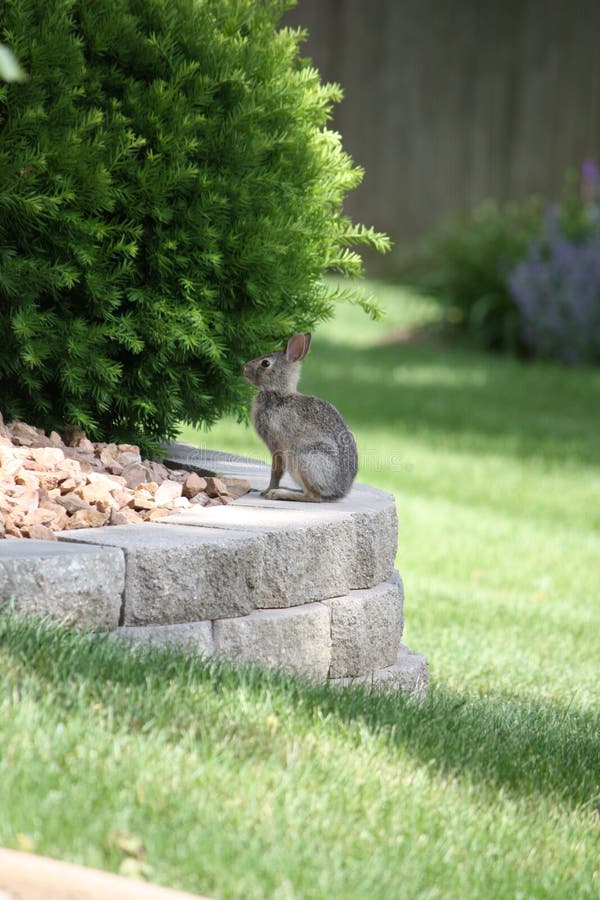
(525,746)
(501,404)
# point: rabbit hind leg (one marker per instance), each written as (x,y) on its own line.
(284,494)
(313,479)
(306,495)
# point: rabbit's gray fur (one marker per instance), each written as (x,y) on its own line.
(306,435)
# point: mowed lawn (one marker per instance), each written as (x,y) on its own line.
(239,784)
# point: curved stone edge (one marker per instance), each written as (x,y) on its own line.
(221,562)
(247,563)
(310,552)
(294,640)
(409,674)
(341,637)
(80,586)
(366,629)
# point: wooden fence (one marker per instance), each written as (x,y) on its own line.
(450,102)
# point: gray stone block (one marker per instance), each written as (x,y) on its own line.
(177,574)
(409,674)
(305,565)
(194,637)
(311,551)
(374,541)
(366,629)
(376,546)
(294,640)
(305,556)
(78,585)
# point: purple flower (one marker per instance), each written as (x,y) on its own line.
(589,171)
(557,291)
(590,180)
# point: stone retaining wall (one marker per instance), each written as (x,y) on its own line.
(303,587)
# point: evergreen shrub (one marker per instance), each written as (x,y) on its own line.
(170,198)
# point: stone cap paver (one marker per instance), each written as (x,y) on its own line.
(80,585)
(177,574)
(355,539)
(24,876)
(179,455)
(372,513)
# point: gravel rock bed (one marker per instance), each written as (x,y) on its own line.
(53,483)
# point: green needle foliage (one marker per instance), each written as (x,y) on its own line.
(170,198)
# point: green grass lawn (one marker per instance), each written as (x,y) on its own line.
(248,785)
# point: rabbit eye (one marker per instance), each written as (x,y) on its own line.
(265,363)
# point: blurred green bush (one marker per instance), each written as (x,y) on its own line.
(170,197)
(466,266)
(523,278)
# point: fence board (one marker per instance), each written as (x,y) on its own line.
(450,102)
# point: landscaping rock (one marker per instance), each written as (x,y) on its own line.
(26,435)
(134,474)
(168,491)
(93,483)
(40,533)
(194,484)
(236,487)
(72,503)
(79,585)
(125,516)
(295,640)
(87,518)
(215,487)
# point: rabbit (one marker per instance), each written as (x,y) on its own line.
(306,435)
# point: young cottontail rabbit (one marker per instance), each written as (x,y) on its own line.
(306,435)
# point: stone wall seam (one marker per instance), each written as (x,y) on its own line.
(124,594)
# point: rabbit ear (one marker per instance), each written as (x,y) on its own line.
(297,347)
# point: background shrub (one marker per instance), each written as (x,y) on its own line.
(465,267)
(169,200)
(522,278)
